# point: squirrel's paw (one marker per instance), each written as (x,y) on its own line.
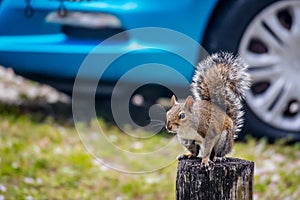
(185,156)
(207,164)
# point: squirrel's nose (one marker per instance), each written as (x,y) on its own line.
(169,126)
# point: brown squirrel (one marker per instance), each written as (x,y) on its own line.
(210,120)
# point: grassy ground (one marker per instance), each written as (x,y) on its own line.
(47,160)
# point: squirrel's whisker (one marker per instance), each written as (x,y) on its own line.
(156,120)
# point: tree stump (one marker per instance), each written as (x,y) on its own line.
(229,179)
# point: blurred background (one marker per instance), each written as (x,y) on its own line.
(44,45)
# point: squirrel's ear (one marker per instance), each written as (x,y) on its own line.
(173,100)
(189,102)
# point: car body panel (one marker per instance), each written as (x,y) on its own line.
(30,45)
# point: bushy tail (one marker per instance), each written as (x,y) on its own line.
(223,79)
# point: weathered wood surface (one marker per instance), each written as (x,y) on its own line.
(227,180)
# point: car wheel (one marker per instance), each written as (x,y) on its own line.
(266,33)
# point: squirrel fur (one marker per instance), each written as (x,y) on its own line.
(209,121)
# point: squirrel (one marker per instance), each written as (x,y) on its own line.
(209,121)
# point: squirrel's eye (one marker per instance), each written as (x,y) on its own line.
(181,115)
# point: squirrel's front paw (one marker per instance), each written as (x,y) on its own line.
(185,156)
(207,164)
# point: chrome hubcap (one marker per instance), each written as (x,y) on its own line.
(271,47)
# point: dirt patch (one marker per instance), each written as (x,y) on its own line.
(23,95)
(17,90)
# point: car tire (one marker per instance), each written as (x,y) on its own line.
(232,27)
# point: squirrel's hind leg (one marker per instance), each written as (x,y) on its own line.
(223,146)
(216,158)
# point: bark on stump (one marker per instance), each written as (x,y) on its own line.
(227,180)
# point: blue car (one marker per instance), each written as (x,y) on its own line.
(103,41)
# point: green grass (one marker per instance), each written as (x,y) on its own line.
(47,160)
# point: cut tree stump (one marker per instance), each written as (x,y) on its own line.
(227,180)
